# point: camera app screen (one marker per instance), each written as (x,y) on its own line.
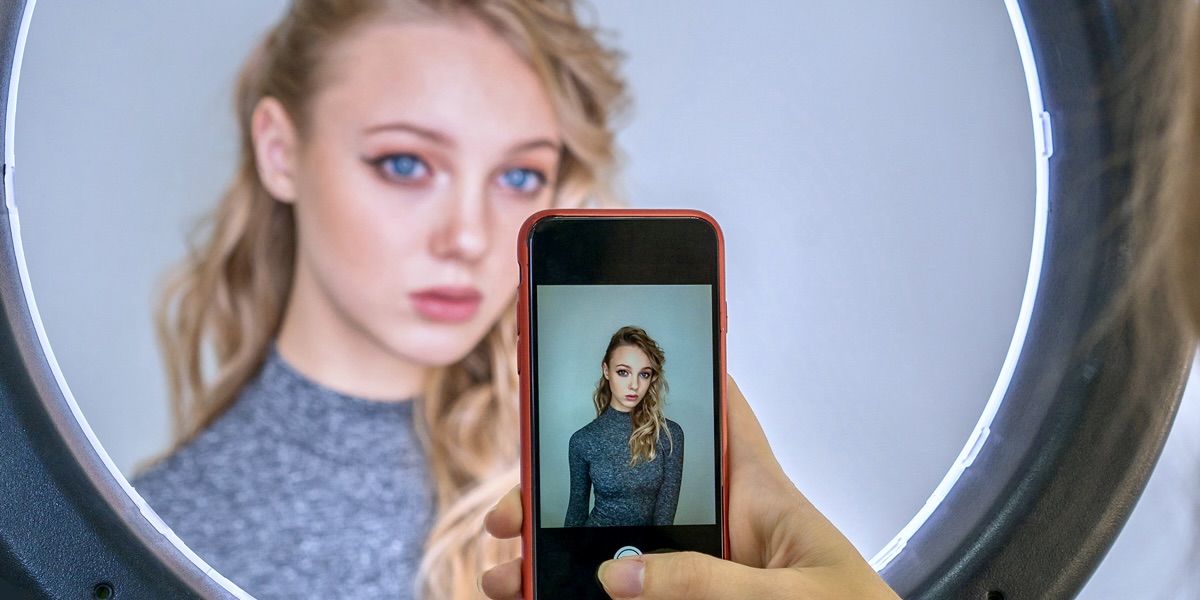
(626,406)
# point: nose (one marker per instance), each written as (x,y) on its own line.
(635,383)
(462,233)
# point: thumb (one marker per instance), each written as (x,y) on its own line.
(684,576)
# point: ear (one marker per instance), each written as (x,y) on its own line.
(604,369)
(275,150)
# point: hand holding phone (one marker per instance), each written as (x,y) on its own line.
(622,360)
(782,547)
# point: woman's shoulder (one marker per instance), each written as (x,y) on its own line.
(217,456)
(585,432)
(598,431)
(190,462)
(181,486)
(674,428)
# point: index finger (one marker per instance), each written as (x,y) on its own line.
(504,520)
(751,441)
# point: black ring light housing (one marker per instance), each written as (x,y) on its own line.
(1068,451)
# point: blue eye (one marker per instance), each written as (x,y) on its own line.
(622,372)
(525,181)
(645,375)
(403,166)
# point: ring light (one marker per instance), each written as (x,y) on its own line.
(1046,480)
(1043,149)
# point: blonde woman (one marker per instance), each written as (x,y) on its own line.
(340,342)
(630,455)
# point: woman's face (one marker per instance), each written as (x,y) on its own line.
(629,373)
(426,148)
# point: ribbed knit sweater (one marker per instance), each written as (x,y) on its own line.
(298,491)
(646,494)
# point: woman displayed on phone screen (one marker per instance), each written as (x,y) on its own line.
(630,455)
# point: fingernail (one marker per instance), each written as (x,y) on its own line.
(479,583)
(622,578)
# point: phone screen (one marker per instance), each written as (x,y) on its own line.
(626,373)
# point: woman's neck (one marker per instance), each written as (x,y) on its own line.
(355,365)
(613,404)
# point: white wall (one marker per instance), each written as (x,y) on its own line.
(870,162)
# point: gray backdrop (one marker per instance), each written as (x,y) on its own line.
(575,324)
(871,164)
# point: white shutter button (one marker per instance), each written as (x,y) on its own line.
(627,551)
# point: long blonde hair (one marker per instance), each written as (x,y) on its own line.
(647,417)
(1164,206)
(1167,183)
(1165,197)
(224,303)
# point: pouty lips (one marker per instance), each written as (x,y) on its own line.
(447,304)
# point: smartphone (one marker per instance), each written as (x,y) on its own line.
(621,328)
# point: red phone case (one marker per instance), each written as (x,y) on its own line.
(523,368)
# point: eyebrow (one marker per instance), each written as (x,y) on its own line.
(534,144)
(443,139)
(619,365)
(429,134)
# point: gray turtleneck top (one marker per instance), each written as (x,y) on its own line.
(646,494)
(298,491)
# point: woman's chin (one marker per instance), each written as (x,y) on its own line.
(437,358)
(444,348)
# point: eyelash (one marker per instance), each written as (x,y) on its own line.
(538,177)
(624,373)
(385,165)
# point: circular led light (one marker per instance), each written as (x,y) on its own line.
(1033,501)
(1043,137)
